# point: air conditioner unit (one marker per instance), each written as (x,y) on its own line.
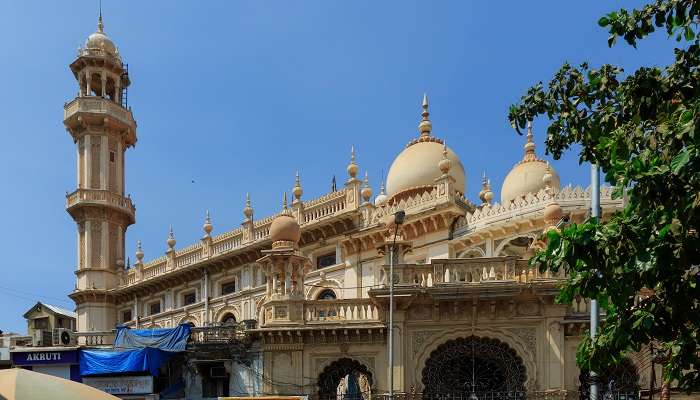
(217,372)
(64,337)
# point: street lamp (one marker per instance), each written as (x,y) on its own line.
(399,216)
(595,213)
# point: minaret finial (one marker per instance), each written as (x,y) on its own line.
(208,227)
(100,25)
(352,167)
(445,163)
(171,239)
(486,195)
(529,145)
(366,191)
(425,125)
(297,190)
(284,201)
(247,210)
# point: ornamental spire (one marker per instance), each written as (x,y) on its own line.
(297,190)
(100,25)
(529,145)
(425,125)
(352,167)
(247,210)
(486,195)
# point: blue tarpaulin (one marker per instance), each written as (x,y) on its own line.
(96,362)
(171,339)
(135,350)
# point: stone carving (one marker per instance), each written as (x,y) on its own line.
(419,339)
(528,336)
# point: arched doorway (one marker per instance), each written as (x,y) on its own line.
(618,379)
(486,367)
(345,379)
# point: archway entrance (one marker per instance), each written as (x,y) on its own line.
(488,368)
(345,379)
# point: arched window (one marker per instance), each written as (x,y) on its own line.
(327,294)
(228,319)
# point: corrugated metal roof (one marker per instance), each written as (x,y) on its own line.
(59,310)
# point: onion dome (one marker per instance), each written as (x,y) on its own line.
(284,227)
(381,198)
(100,41)
(208,227)
(414,168)
(248,210)
(526,176)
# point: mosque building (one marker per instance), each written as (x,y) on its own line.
(308,288)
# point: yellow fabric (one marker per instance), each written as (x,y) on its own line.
(21,384)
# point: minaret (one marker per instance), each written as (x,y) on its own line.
(102,129)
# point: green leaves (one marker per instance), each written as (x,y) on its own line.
(643,130)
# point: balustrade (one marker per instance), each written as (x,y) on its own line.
(340,310)
(100,196)
(99,338)
(98,105)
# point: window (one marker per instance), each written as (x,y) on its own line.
(229,319)
(189,298)
(228,288)
(111,156)
(126,316)
(325,260)
(60,322)
(154,308)
(41,323)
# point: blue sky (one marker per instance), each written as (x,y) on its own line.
(238,95)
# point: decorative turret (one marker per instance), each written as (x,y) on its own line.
(284,230)
(102,128)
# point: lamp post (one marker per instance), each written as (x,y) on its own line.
(398,220)
(595,213)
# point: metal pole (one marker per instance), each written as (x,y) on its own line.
(391,320)
(595,213)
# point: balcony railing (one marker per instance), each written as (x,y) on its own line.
(341,310)
(103,197)
(456,271)
(98,105)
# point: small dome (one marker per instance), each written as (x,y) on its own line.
(528,175)
(285,228)
(99,40)
(553,213)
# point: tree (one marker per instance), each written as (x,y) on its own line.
(643,129)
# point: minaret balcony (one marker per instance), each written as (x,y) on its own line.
(102,198)
(94,109)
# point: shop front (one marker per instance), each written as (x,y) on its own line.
(61,362)
(125,387)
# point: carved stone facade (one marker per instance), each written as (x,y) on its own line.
(314,278)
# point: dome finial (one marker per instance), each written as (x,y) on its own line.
(445,163)
(247,210)
(284,202)
(171,239)
(425,125)
(208,227)
(529,145)
(297,190)
(352,167)
(366,191)
(486,195)
(100,25)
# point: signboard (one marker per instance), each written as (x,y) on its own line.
(44,357)
(122,384)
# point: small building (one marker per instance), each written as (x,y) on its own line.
(50,346)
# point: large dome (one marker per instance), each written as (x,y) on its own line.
(527,175)
(417,166)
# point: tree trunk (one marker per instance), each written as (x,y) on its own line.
(665,390)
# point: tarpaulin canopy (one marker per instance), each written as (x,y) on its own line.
(96,362)
(170,339)
(135,350)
